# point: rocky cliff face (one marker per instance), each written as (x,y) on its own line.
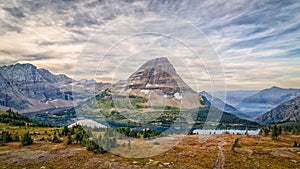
(159,74)
(285,112)
(26,88)
(151,79)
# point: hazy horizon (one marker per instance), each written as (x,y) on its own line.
(216,91)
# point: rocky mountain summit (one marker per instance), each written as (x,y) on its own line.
(26,88)
(159,74)
(158,81)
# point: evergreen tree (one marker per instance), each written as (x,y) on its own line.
(266,130)
(279,130)
(84,140)
(295,144)
(26,139)
(72,130)
(132,134)
(69,139)
(235,144)
(275,132)
(6,136)
(65,131)
(94,147)
(56,139)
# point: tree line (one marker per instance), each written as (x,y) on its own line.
(277,130)
(15,119)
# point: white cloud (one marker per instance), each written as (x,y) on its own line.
(253,39)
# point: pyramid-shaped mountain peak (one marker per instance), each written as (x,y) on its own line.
(158,81)
(157,74)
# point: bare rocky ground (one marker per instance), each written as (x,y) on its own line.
(192,152)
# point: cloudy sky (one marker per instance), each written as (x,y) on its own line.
(249,44)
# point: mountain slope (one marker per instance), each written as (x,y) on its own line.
(274,96)
(158,73)
(219,104)
(285,112)
(155,95)
(26,88)
(265,100)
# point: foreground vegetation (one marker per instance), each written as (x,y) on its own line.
(34,146)
(192,152)
(19,128)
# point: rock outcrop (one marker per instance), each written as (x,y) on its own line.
(26,88)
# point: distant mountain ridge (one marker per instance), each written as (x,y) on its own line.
(286,112)
(265,100)
(26,88)
(233,97)
(219,104)
(274,95)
